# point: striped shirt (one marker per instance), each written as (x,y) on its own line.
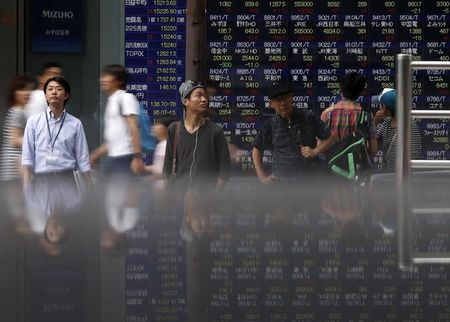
(10,155)
(388,135)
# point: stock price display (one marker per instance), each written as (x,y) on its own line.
(311,44)
(155,32)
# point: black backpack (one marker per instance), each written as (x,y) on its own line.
(349,158)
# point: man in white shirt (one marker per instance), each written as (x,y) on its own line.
(121,133)
(37,102)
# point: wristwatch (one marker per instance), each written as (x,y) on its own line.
(137,155)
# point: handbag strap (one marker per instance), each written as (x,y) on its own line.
(174,148)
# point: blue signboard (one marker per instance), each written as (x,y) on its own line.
(57,26)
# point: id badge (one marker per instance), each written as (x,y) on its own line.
(51,160)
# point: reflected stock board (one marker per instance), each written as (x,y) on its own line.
(303,255)
(155,270)
(311,44)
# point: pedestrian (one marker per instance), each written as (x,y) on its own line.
(54,142)
(343,116)
(292,135)
(18,94)
(386,120)
(121,133)
(196,152)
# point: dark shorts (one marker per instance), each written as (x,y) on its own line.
(118,166)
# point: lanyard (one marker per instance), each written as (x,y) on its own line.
(57,134)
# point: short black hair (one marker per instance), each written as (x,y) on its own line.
(117,71)
(47,65)
(17,83)
(352,85)
(61,81)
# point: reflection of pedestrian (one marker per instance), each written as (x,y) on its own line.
(54,141)
(38,102)
(122,213)
(344,203)
(19,90)
(49,199)
(196,221)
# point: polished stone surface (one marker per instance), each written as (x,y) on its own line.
(301,251)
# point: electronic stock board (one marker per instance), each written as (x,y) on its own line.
(310,44)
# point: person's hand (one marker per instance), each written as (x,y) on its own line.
(379,116)
(137,165)
(97,154)
(307,152)
(93,159)
(269,179)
